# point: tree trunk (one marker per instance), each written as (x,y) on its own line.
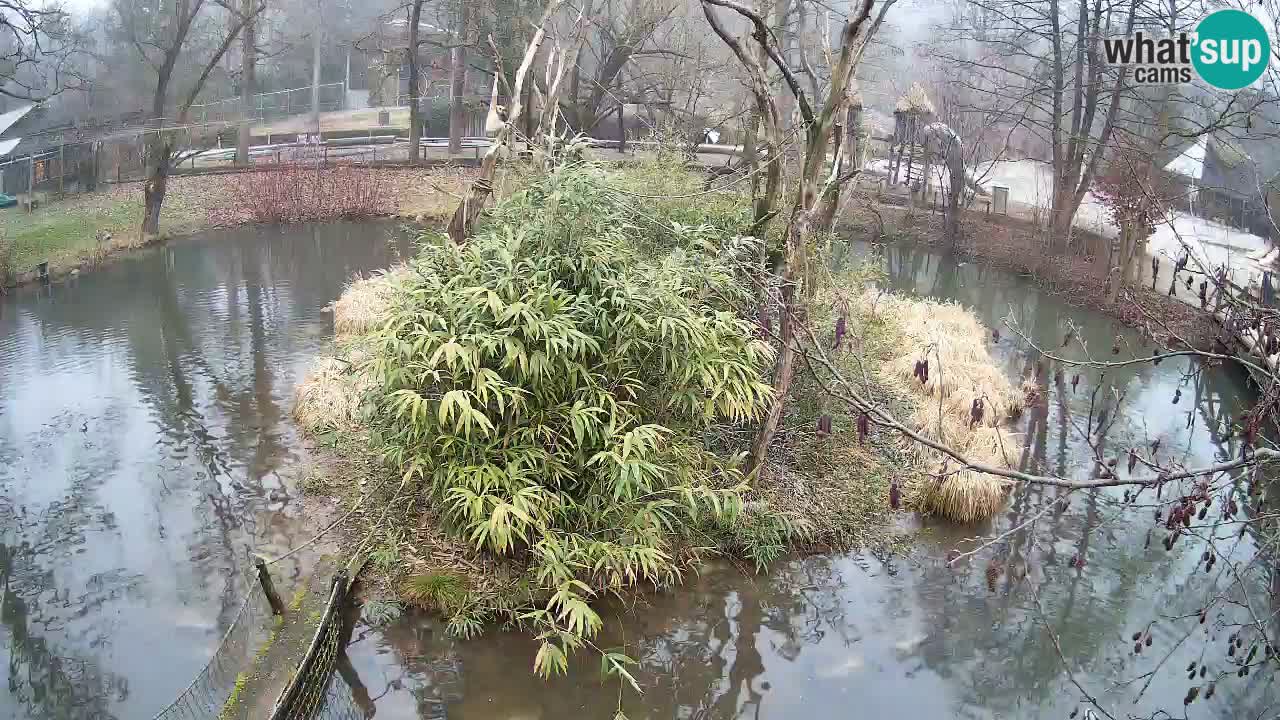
(749,142)
(415,120)
(248,60)
(829,203)
(786,99)
(954,190)
(1061,215)
(853,131)
(784,372)
(154,188)
(481,189)
(457,85)
(1121,263)
(315,73)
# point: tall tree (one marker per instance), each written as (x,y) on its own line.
(415,111)
(248,66)
(162,36)
(458,78)
(1050,58)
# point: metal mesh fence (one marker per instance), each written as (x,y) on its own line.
(272,105)
(209,691)
(340,704)
(307,694)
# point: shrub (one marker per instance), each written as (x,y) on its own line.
(306,192)
(548,386)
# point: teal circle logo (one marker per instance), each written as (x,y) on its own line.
(1231,49)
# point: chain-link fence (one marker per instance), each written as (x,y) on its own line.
(207,694)
(272,105)
(308,691)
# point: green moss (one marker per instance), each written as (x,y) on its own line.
(233,702)
(438,590)
(299,596)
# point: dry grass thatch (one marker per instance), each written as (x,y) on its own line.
(960,372)
(331,395)
(915,100)
(333,392)
(363,304)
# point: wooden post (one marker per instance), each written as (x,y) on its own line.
(31,183)
(62,166)
(622,124)
(268,588)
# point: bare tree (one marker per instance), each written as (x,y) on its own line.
(620,31)
(811,186)
(458,78)
(40,53)
(248,65)
(481,189)
(162,39)
(415,110)
(1049,59)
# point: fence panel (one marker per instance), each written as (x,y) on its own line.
(205,697)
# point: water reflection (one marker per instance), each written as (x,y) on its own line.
(145,448)
(838,636)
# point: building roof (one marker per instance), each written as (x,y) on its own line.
(8,119)
(1190,163)
(914,101)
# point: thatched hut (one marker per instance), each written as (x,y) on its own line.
(913,112)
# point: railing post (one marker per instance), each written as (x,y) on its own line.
(268,587)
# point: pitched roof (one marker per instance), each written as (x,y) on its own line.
(1190,163)
(8,119)
(914,100)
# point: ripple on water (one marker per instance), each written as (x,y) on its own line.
(144,435)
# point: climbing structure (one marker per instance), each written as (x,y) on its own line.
(913,112)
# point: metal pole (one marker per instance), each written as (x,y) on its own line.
(62,165)
(31,183)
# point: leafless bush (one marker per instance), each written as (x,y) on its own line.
(302,192)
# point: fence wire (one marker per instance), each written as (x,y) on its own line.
(340,703)
(209,691)
(307,693)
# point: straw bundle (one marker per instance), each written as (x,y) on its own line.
(960,371)
(362,306)
(332,393)
(915,100)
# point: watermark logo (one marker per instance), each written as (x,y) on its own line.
(1229,50)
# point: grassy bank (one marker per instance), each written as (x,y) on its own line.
(557,411)
(80,231)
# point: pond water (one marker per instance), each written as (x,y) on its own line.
(853,635)
(145,448)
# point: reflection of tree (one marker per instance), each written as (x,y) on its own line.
(43,681)
(205,335)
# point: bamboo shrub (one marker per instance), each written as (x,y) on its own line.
(546,387)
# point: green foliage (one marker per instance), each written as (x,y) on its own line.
(232,704)
(547,385)
(443,591)
(386,556)
(380,613)
(763,537)
(669,193)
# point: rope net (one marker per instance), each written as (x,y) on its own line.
(207,694)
